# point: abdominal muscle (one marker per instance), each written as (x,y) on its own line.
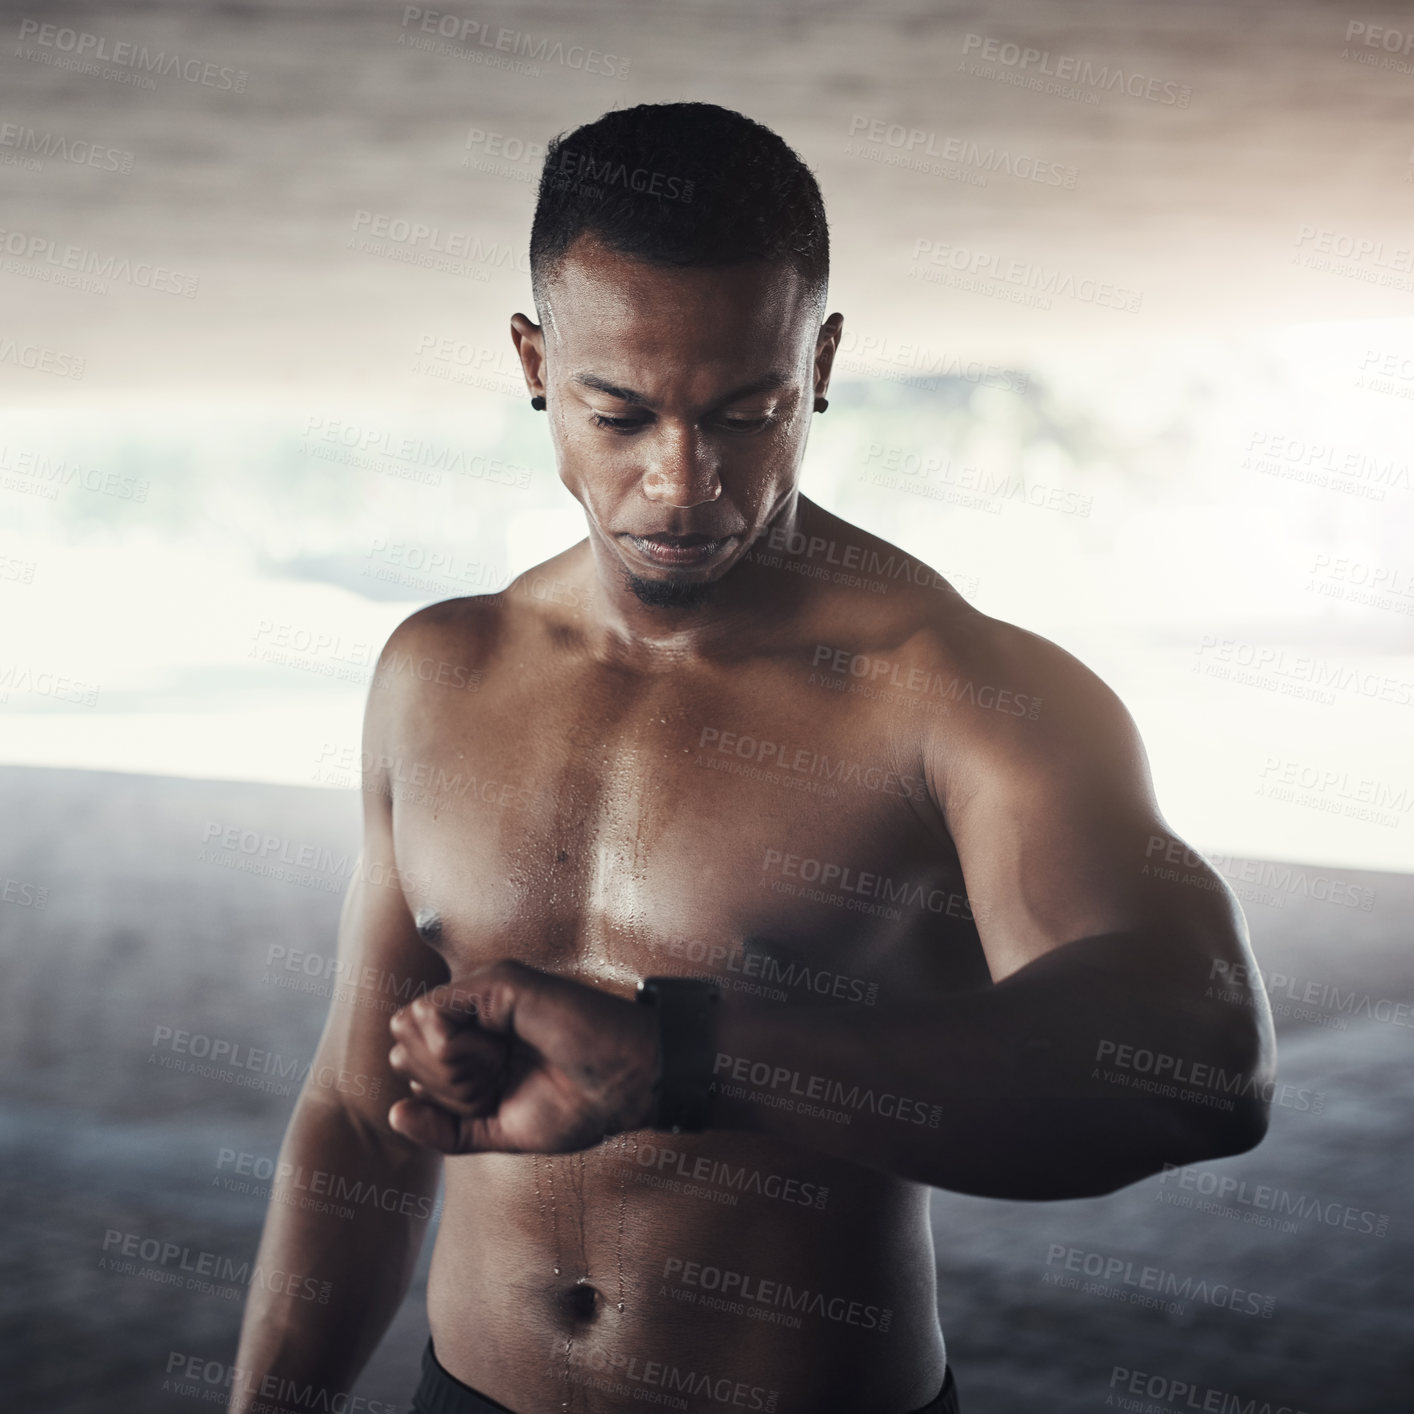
(626,1273)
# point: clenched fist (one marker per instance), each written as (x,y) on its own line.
(512,1059)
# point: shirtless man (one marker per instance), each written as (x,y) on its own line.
(949,929)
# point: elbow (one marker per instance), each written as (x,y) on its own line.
(1179,1132)
(1222,1135)
(1228,1114)
(1242,1125)
(1049,1151)
(1226,1100)
(1173,1138)
(1246,1124)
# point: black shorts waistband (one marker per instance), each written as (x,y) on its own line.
(441,1393)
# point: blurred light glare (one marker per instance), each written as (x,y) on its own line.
(294,523)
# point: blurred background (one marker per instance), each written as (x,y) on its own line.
(1128,294)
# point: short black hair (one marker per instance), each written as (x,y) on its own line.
(688,184)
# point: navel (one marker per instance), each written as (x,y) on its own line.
(581,1301)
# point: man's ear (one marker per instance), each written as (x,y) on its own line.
(825,347)
(529,339)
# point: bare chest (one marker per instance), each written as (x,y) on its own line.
(756,830)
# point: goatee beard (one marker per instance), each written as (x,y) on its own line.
(669,593)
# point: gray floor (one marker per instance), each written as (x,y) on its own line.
(138,931)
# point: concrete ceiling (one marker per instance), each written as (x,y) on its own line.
(1202,159)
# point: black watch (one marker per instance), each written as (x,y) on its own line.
(687,1048)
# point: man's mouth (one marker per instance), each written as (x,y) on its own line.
(664,549)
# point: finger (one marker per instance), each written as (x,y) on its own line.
(459,1002)
(491,994)
(433,1020)
(432,1127)
(487,1134)
(422,1021)
(453,1050)
(458,1107)
(420,1028)
(469,1085)
(426,1124)
(443,1036)
(484,1135)
(411,1020)
(451,1040)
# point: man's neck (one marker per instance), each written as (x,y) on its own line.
(746,605)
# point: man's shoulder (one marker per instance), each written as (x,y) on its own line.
(462,636)
(451,632)
(1009,655)
(1018,703)
(914,634)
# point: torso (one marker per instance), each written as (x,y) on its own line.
(743,820)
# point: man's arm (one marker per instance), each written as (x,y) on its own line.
(339,1130)
(1099,1053)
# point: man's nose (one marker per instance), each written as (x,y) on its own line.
(681,470)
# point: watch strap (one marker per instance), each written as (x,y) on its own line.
(687,1048)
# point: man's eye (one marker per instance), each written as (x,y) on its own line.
(732,424)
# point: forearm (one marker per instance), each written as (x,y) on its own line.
(315,1335)
(1006,1091)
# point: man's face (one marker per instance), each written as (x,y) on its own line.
(679,403)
